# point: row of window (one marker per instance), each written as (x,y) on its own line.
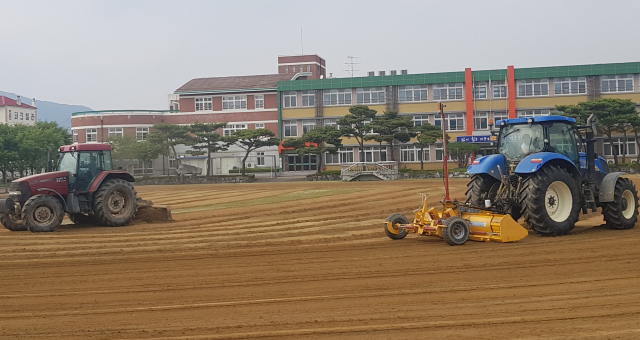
(299,68)
(408,153)
(229,102)
(454,121)
(21,116)
(419,93)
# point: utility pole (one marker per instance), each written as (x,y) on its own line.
(350,65)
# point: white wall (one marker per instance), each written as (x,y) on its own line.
(19,110)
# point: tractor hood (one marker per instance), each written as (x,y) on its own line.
(23,188)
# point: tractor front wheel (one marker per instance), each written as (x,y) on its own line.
(456,231)
(396,233)
(12,223)
(114,203)
(42,213)
(622,213)
(549,200)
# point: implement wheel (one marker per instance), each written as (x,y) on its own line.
(42,213)
(456,231)
(396,233)
(622,213)
(550,201)
(12,223)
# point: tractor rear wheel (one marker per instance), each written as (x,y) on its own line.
(396,233)
(456,231)
(114,203)
(622,213)
(83,219)
(11,222)
(42,213)
(549,200)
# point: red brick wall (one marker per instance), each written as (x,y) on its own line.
(217,103)
(271,101)
(251,104)
(187,105)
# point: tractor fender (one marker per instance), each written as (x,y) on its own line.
(56,195)
(107,175)
(608,186)
(488,165)
(536,161)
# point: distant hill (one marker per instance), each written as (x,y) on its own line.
(51,111)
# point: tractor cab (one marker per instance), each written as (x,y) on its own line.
(84,163)
(521,137)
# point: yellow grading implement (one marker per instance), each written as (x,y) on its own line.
(456,224)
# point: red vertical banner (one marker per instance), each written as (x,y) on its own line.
(468,96)
(511,90)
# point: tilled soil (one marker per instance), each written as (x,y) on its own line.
(311,261)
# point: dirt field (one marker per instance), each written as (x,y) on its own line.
(311,261)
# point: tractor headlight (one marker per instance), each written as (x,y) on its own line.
(503,123)
(530,120)
(16,193)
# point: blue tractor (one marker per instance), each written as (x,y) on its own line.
(546,170)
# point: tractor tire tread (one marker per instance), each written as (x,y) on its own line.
(11,225)
(99,206)
(448,236)
(40,199)
(612,211)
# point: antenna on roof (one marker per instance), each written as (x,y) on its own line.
(350,65)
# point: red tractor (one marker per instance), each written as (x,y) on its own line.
(85,186)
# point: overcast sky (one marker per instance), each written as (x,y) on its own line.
(131,54)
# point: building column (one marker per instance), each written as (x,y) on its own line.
(468,97)
(511,90)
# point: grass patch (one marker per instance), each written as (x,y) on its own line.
(292,196)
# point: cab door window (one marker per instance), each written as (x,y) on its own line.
(562,140)
(90,165)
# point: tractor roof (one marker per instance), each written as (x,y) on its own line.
(86,147)
(537,119)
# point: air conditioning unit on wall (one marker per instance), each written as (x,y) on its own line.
(251,165)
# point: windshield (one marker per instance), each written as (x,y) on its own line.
(518,141)
(68,162)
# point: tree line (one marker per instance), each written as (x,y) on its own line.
(26,148)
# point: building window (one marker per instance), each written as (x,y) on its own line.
(260,158)
(337,97)
(21,116)
(173,162)
(10,116)
(411,153)
(308,68)
(92,135)
(140,168)
(234,102)
(617,145)
(532,113)
(447,91)
(480,90)
(573,85)
(293,68)
(290,128)
(308,125)
(204,104)
(258,100)
(331,122)
(455,121)
(286,69)
(499,89)
(290,99)
(74,136)
(259,125)
(370,95)
(499,115)
(439,151)
(115,132)
(420,120)
(33,116)
(412,93)
(344,155)
(308,98)
(142,133)
(481,120)
(15,115)
(231,128)
(375,154)
(533,87)
(619,83)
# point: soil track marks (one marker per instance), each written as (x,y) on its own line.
(310,261)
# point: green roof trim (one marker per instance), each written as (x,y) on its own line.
(457,77)
(577,70)
(121,111)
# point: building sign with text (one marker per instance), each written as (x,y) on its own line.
(476,139)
